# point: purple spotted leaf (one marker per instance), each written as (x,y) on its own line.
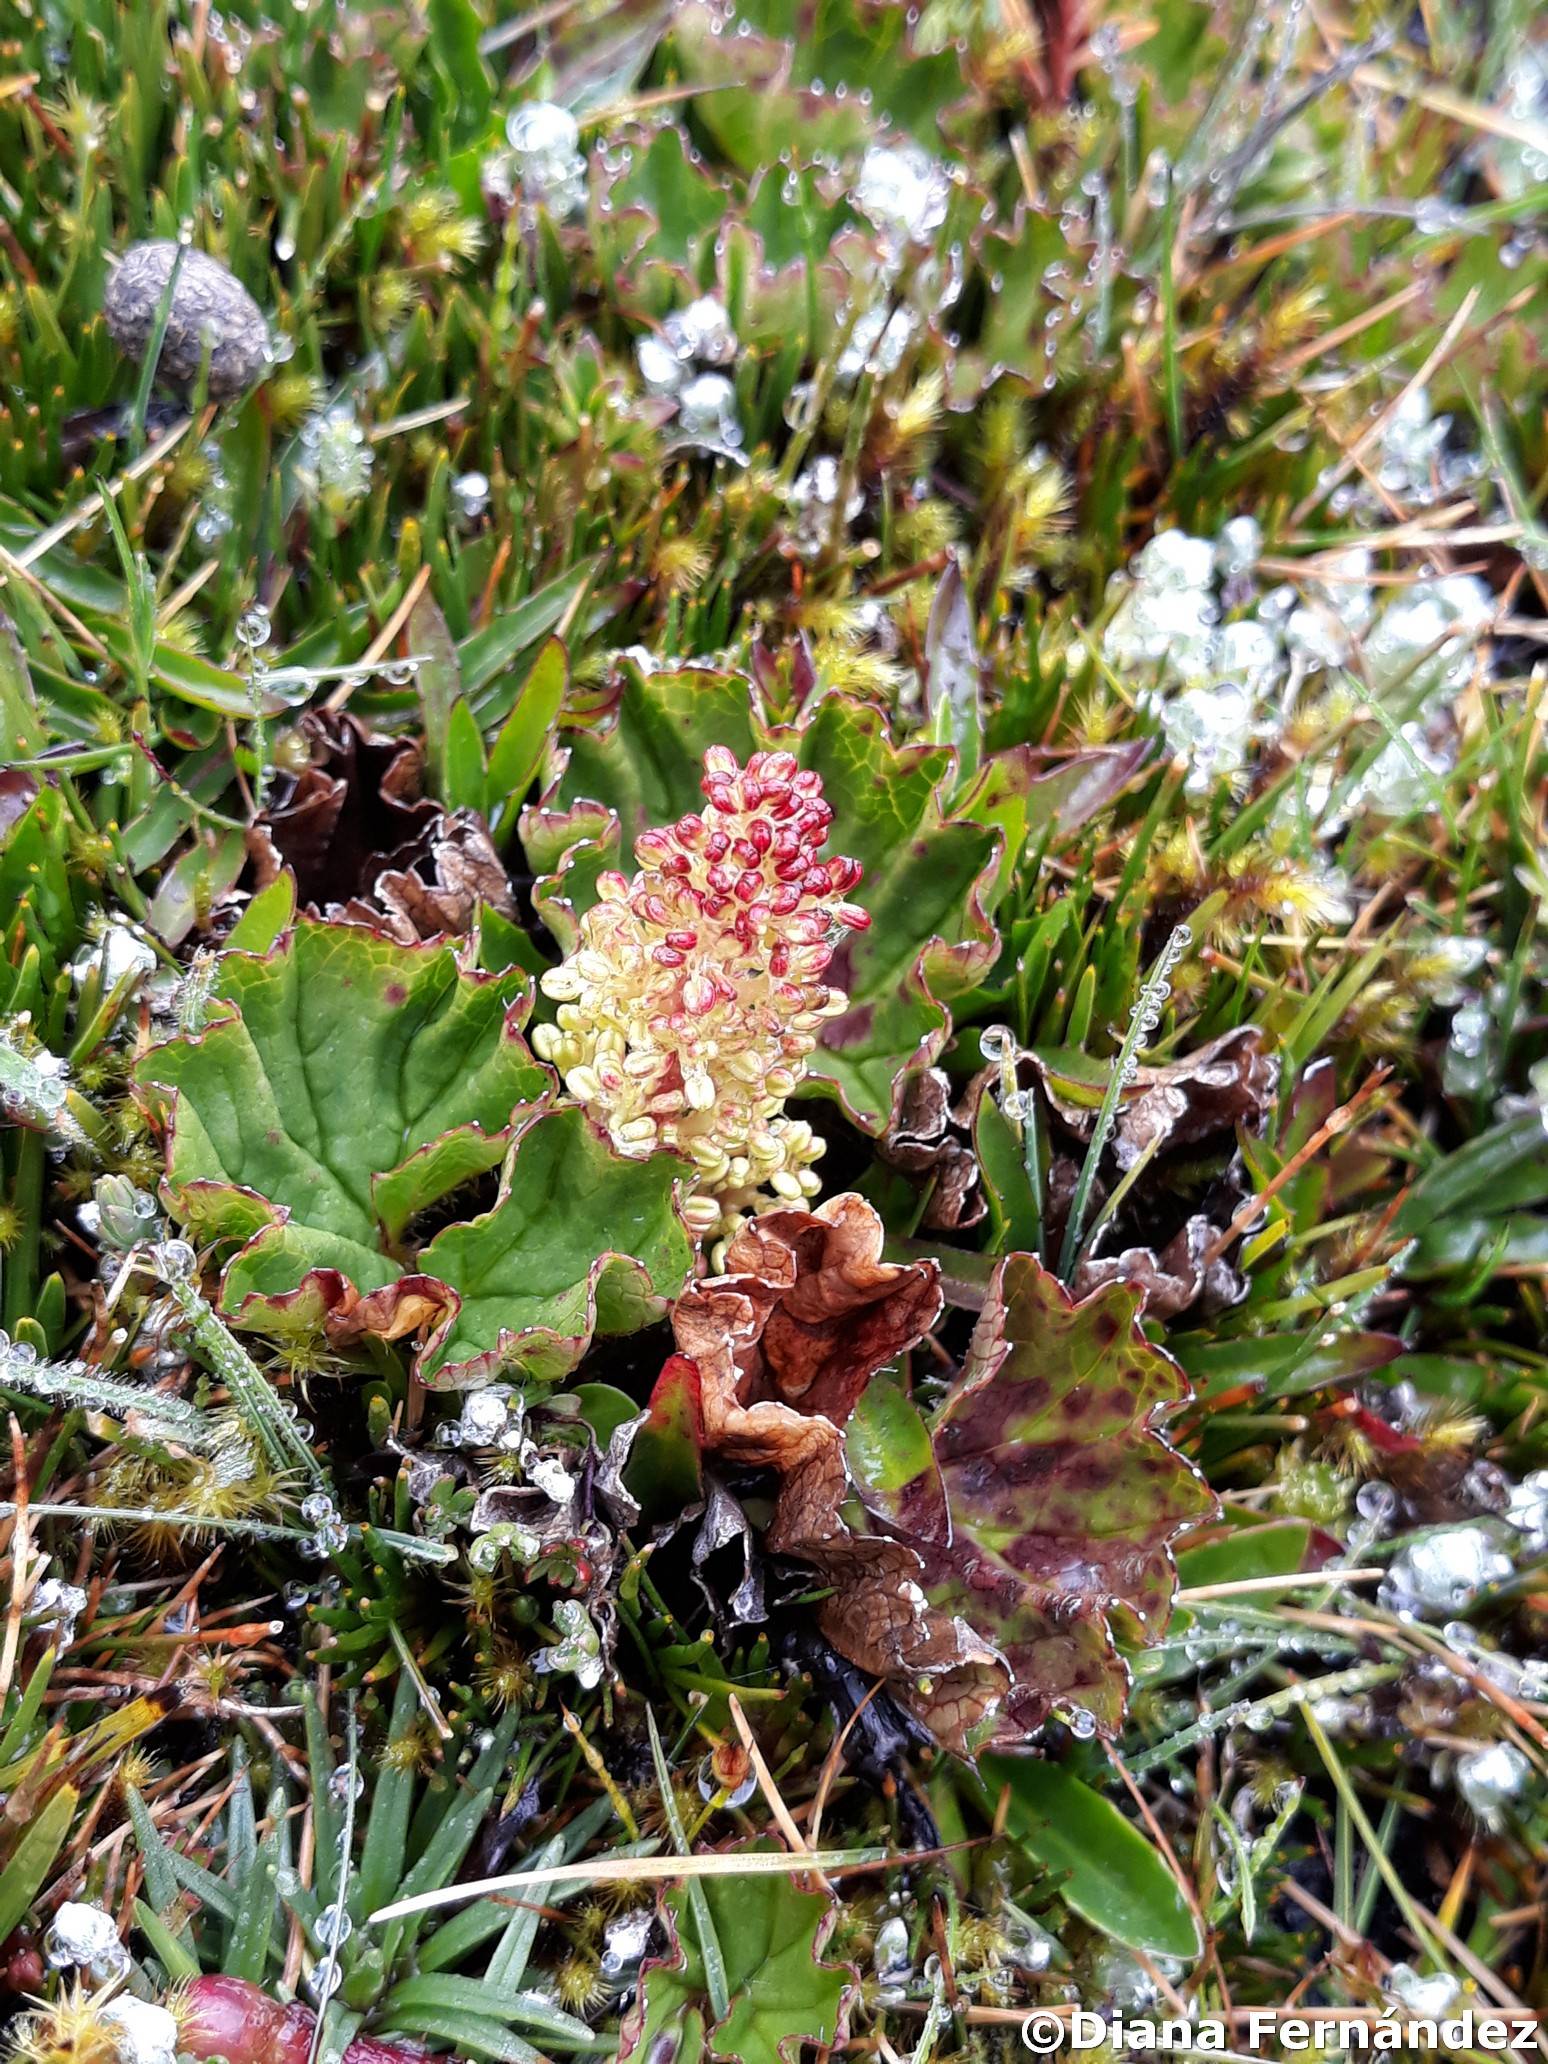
(1064,1501)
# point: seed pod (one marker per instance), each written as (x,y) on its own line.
(237,2020)
(210,309)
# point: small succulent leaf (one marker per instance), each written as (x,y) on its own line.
(663,1468)
(438,679)
(604,1408)
(464,770)
(262,1121)
(194,883)
(39,893)
(1288,1367)
(1107,1871)
(543,1271)
(22,736)
(27,1864)
(269,914)
(1274,1548)
(1015,1203)
(783,1995)
(887,1447)
(517,753)
(489,658)
(925,875)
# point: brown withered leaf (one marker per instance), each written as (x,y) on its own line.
(359,797)
(1183,1103)
(931,1139)
(366,847)
(1061,1497)
(1182,1119)
(782,1345)
(435,883)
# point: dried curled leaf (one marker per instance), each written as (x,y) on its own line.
(365,845)
(779,1349)
(999,1546)
(1170,1279)
(929,1138)
(1175,1148)
(327,1304)
(1183,1103)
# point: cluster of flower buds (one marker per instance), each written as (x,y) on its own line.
(688,1010)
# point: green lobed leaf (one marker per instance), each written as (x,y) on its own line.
(645,763)
(580,1241)
(782,1994)
(926,875)
(682,202)
(348,1081)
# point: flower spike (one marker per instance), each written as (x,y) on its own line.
(689,1007)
